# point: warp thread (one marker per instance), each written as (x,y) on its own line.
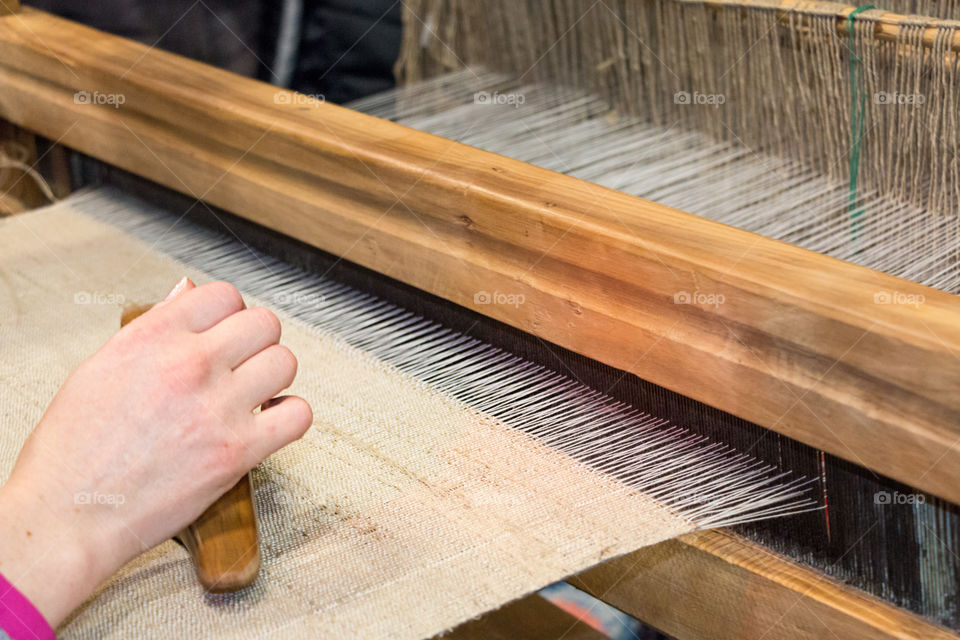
(773,79)
(858,110)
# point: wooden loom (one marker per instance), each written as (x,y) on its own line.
(598,268)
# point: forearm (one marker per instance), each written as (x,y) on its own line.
(44,555)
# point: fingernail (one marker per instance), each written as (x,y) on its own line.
(272,402)
(178,289)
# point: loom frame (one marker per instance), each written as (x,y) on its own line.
(599,271)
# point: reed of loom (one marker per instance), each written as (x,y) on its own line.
(352,184)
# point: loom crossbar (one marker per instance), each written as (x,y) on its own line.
(738,590)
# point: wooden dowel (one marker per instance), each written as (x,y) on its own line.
(223,541)
(887,26)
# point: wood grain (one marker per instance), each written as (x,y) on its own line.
(224,541)
(714,585)
(8,7)
(798,345)
(531,618)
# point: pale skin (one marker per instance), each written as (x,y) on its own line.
(142,438)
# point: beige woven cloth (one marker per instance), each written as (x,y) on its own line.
(399,515)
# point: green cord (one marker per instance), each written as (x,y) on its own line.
(858,108)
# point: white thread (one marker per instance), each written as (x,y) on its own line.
(571,132)
(708,483)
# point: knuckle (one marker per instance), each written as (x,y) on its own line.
(140,342)
(139,334)
(192,369)
(225,292)
(269,321)
(287,362)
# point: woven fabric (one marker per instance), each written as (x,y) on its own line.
(400,514)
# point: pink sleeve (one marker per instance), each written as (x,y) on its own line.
(19,618)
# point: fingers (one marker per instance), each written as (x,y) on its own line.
(185,284)
(264,375)
(281,421)
(242,335)
(200,308)
(132,312)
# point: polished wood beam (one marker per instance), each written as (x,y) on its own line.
(530,618)
(714,585)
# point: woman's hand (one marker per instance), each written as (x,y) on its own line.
(142,438)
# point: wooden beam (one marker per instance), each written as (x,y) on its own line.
(55,167)
(715,585)
(781,336)
(531,618)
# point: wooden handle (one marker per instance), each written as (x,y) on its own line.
(223,541)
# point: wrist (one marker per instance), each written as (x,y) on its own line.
(53,562)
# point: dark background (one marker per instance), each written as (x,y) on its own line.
(340,49)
